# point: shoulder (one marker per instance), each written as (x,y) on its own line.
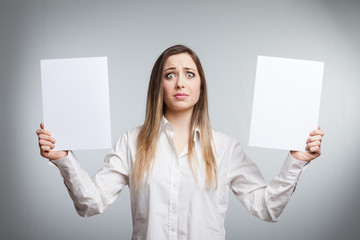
(224,141)
(133,133)
(226,148)
(129,137)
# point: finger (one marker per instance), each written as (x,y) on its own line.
(41,127)
(317,132)
(314,138)
(47,137)
(43,131)
(45,148)
(46,143)
(314,149)
(313,144)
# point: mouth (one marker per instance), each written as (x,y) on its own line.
(181,95)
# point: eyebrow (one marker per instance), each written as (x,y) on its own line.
(187,68)
(172,68)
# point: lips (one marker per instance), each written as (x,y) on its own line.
(181,95)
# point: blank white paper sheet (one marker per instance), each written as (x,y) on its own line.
(76,109)
(286,102)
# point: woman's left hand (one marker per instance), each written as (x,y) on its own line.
(313,146)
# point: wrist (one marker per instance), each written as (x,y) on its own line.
(300,156)
(60,155)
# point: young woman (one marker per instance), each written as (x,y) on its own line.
(178,169)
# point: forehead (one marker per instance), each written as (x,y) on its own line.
(180,60)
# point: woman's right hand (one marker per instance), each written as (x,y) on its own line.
(46,143)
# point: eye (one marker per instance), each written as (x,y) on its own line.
(190,75)
(170,75)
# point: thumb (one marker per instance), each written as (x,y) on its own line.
(41,125)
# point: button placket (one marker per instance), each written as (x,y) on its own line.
(174,184)
(174,194)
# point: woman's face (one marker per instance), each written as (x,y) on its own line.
(181,82)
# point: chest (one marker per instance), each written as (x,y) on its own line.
(180,141)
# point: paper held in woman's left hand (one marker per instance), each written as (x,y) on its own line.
(286,102)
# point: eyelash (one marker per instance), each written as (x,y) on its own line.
(193,75)
(167,76)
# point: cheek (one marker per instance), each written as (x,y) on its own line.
(197,89)
(166,89)
(166,92)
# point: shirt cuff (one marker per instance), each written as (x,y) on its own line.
(67,165)
(292,168)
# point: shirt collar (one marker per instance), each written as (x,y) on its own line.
(165,124)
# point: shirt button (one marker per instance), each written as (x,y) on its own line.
(173,207)
(173,228)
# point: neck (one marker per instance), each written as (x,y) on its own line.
(180,120)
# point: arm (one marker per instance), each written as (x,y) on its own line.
(93,195)
(267,201)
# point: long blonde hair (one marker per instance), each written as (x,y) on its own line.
(155,108)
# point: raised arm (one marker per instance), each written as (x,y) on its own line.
(91,195)
(268,200)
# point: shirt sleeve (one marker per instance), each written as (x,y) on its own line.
(263,200)
(92,195)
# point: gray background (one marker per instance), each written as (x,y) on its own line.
(227,36)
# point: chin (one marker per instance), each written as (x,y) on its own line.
(180,108)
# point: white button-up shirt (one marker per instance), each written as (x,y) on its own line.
(173,204)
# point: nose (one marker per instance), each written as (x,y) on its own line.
(180,82)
